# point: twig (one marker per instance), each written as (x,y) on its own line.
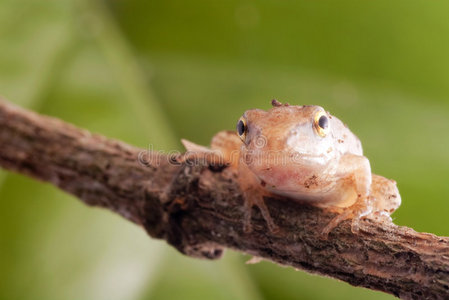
(199,210)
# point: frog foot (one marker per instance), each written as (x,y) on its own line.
(197,154)
(356,212)
(255,198)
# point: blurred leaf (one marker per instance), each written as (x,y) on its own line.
(187,278)
(33,46)
(125,68)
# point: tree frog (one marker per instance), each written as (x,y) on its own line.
(305,154)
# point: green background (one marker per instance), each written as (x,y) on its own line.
(152,72)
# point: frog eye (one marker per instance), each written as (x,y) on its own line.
(321,123)
(241,129)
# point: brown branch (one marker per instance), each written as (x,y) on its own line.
(198,210)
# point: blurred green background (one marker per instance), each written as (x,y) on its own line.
(157,71)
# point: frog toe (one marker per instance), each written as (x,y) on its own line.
(257,200)
(347,214)
(355,212)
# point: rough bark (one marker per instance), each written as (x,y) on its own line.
(198,209)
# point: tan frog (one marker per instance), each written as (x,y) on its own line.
(305,154)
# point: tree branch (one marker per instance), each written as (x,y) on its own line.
(199,209)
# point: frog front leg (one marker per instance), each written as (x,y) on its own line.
(253,195)
(229,145)
(225,148)
(353,190)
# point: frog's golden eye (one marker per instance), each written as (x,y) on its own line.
(242,129)
(321,123)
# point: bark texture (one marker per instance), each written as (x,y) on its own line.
(199,209)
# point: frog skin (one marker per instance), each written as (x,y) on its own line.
(305,154)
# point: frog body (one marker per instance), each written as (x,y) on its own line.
(305,154)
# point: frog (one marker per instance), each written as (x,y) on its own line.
(305,154)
